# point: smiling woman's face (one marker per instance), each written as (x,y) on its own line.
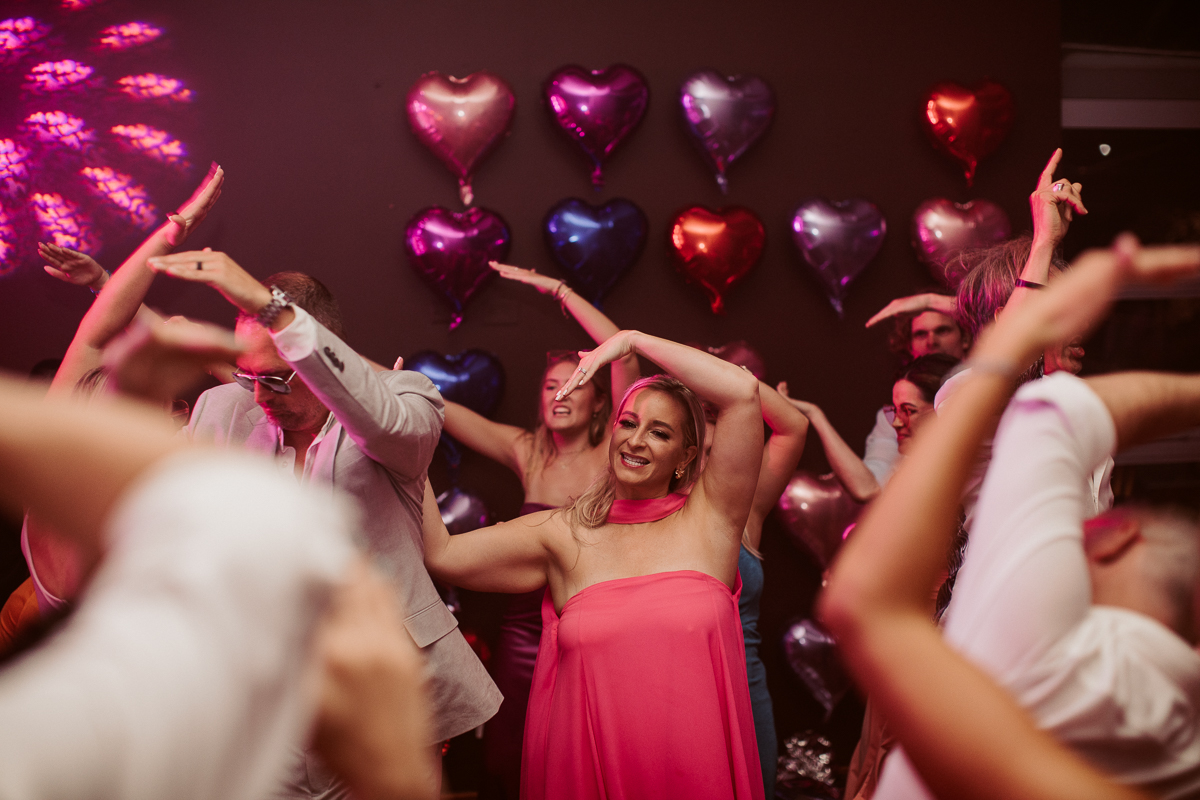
(912,409)
(647,445)
(572,412)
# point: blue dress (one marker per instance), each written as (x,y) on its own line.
(750,568)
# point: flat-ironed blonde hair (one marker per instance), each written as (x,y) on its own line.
(591,508)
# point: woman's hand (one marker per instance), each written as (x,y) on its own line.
(806,408)
(615,348)
(1054,204)
(159,362)
(543,283)
(915,304)
(72,266)
(193,212)
(218,271)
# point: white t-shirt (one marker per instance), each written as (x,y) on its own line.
(184,673)
(1117,687)
(882,451)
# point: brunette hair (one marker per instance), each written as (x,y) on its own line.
(927,373)
(311,295)
(900,337)
(989,277)
(591,508)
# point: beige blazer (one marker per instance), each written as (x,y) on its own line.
(385,429)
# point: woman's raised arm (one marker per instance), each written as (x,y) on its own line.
(495,440)
(625,371)
(851,470)
(789,429)
(121,296)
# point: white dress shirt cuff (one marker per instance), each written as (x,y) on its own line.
(299,339)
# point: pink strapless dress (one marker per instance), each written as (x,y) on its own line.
(640,691)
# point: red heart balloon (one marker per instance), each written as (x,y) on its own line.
(715,249)
(968,123)
(942,229)
(817,510)
(461,119)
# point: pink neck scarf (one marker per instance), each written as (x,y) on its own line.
(625,512)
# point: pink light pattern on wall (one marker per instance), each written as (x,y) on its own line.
(51,76)
(129,35)
(59,127)
(152,86)
(155,143)
(121,191)
(75,5)
(62,223)
(19,33)
(14,169)
(8,243)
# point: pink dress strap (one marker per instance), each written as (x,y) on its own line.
(640,693)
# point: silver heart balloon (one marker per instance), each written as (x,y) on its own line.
(725,115)
(812,654)
(461,511)
(817,510)
(838,239)
(942,229)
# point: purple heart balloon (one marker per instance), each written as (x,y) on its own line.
(725,115)
(461,511)
(595,246)
(451,250)
(597,108)
(813,656)
(942,229)
(838,239)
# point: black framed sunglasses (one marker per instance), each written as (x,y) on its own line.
(272,382)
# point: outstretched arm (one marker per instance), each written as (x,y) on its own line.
(915,304)
(593,321)
(495,440)
(859,481)
(729,479)
(789,429)
(511,557)
(966,736)
(119,300)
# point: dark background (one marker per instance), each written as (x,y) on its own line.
(302,103)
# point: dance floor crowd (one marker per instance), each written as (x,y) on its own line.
(238,600)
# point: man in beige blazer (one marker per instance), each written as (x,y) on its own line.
(326,415)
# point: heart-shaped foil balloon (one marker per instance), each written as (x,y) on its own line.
(725,115)
(462,511)
(597,109)
(838,239)
(813,656)
(942,229)
(715,249)
(473,378)
(461,120)
(595,245)
(450,250)
(968,124)
(742,354)
(817,510)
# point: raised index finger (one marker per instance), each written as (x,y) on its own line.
(1047,176)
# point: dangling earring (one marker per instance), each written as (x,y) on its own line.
(679,472)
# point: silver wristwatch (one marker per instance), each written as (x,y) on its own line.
(279,301)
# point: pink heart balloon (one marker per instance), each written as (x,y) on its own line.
(597,109)
(817,510)
(942,229)
(451,250)
(461,120)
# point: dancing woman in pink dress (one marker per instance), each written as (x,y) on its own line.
(640,686)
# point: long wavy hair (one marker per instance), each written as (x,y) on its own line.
(591,508)
(544,449)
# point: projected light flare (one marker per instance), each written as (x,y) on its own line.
(57,166)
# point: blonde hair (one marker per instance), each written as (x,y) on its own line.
(591,508)
(544,448)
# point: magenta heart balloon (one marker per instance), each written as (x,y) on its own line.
(817,510)
(450,251)
(942,229)
(838,239)
(597,109)
(741,353)
(725,115)
(461,120)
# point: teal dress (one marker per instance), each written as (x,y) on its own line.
(751,571)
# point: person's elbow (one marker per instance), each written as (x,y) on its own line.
(743,387)
(844,607)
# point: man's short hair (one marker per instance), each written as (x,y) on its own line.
(900,336)
(311,295)
(989,277)
(1172,563)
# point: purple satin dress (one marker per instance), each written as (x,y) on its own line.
(512,670)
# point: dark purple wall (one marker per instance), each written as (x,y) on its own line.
(302,102)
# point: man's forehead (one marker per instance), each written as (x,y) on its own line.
(259,354)
(930,319)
